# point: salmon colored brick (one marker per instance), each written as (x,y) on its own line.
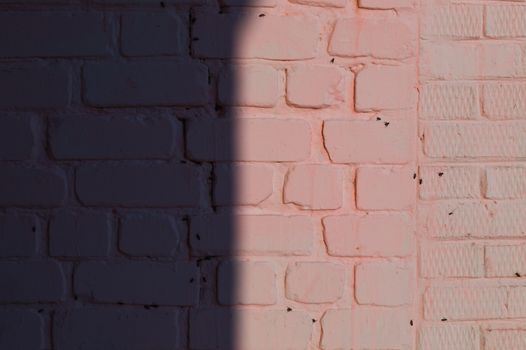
(385,4)
(314,86)
(315,282)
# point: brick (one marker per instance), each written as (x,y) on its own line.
(145,83)
(380,188)
(314,186)
(504,101)
(369,141)
(505,260)
(138,282)
(505,21)
(447,101)
(160,185)
(506,182)
(315,282)
(149,34)
(474,219)
(517,302)
(123,328)
(449,337)
(154,3)
(31,282)
(451,260)
(114,138)
(79,234)
(35,86)
(18,234)
(442,182)
(384,283)
(21,329)
(268,37)
(505,339)
(385,87)
(454,60)
(465,303)
(258,140)
(254,3)
(253,235)
(385,4)
(454,21)
(31,186)
(380,38)
(366,328)
(477,139)
(254,283)
(145,234)
(48,34)
(282,330)
(321,3)
(253,85)
(17,139)
(375,234)
(253,184)
(315,86)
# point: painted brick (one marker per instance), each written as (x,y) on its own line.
(505,21)
(504,339)
(505,260)
(114,138)
(150,34)
(254,184)
(53,34)
(380,188)
(254,235)
(138,282)
(31,186)
(315,282)
(315,86)
(145,83)
(314,186)
(478,139)
(21,329)
(375,234)
(385,4)
(455,21)
(449,337)
(385,87)
(116,185)
(268,37)
(246,282)
(258,139)
(146,234)
(384,283)
(17,137)
(442,182)
(517,302)
(369,141)
(19,234)
(31,282)
(254,3)
(254,85)
(380,38)
(465,303)
(449,101)
(506,182)
(440,260)
(321,3)
(79,234)
(504,100)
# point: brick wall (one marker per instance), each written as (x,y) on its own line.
(262,174)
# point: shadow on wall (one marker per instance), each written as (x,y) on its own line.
(115,174)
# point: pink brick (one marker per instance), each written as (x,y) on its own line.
(449,101)
(254,184)
(253,85)
(384,283)
(465,303)
(315,86)
(451,260)
(449,337)
(315,282)
(366,328)
(314,186)
(385,87)
(369,141)
(505,21)
(456,21)
(506,182)
(380,188)
(498,339)
(375,234)
(321,3)
(385,4)
(246,282)
(517,302)
(381,38)
(505,260)
(442,182)
(504,100)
